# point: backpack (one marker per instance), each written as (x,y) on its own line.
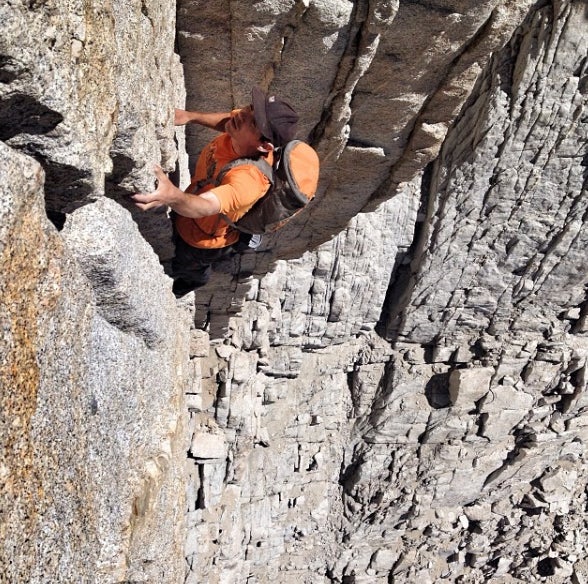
(293,179)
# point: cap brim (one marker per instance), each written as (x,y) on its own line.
(259,100)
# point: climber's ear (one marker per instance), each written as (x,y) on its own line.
(265,146)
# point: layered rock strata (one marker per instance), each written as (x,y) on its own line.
(452,448)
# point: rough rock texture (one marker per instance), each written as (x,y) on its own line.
(393,389)
(93,347)
(454,451)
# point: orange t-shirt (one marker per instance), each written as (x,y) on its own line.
(241,187)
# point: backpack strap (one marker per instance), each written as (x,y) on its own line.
(262,165)
(208,179)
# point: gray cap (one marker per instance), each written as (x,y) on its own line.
(275,118)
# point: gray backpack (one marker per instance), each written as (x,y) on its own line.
(294,180)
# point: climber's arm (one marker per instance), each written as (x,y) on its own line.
(167,194)
(215,121)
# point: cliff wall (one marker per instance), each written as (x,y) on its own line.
(392,389)
(93,348)
(410,378)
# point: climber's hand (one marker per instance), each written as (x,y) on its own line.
(165,193)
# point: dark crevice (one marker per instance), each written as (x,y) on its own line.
(429,6)
(58,219)
(154,226)
(66,187)
(23,114)
(200,502)
(355,143)
(402,279)
(348,476)
(437,391)
(546,567)
(8,69)
(122,166)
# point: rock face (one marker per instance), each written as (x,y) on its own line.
(93,366)
(453,451)
(393,389)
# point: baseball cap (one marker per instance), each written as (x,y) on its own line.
(275,118)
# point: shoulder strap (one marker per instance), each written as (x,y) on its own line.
(262,165)
(259,163)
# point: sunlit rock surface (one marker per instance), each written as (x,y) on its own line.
(93,347)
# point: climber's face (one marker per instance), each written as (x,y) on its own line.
(246,136)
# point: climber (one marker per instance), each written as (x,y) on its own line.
(201,235)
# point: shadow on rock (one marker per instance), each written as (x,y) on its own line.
(23,114)
(154,226)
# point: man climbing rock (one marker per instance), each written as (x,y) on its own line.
(202,235)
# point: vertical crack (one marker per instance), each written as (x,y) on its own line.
(364,38)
